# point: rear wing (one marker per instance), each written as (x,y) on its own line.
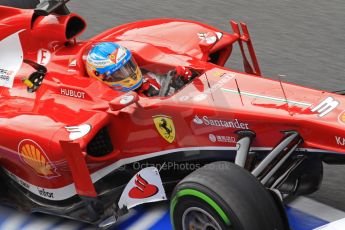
(254,67)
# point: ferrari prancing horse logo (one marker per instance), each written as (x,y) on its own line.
(165,127)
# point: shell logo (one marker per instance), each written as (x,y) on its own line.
(34,156)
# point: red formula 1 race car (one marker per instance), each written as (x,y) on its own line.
(226,147)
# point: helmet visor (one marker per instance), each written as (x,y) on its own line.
(128,70)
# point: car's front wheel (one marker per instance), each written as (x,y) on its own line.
(223,196)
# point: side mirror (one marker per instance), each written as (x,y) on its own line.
(207,41)
(123,101)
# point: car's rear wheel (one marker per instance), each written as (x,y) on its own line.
(223,196)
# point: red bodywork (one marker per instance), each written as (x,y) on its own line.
(206,113)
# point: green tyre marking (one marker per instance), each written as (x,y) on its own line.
(202,196)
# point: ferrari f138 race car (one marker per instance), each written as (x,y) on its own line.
(226,148)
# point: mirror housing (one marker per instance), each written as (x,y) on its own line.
(207,41)
(47,7)
(123,101)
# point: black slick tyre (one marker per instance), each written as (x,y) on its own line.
(224,196)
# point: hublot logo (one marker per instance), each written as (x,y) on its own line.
(72,93)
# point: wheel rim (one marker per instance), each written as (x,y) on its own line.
(195,218)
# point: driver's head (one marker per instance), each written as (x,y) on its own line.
(114,65)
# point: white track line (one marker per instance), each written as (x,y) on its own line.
(69,225)
(337,225)
(44,222)
(152,216)
(149,218)
(317,209)
(14,221)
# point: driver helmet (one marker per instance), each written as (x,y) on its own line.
(114,65)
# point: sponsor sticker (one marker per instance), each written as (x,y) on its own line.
(5,75)
(120,54)
(146,186)
(79,131)
(212,138)
(197,120)
(221,138)
(98,63)
(43,57)
(47,193)
(142,189)
(165,127)
(42,192)
(325,107)
(33,155)
(224,78)
(340,140)
(11,59)
(205,120)
(72,93)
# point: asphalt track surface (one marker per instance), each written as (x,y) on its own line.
(303,40)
